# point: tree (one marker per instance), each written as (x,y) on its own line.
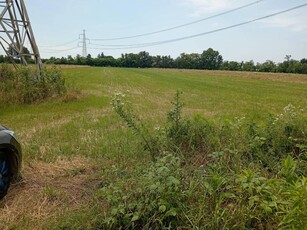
(184,61)
(157,61)
(167,62)
(26,53)
(2,59)
(235,66)
(101,55)
(145,60)
(304,61)
(267,66)
(63,60)
(129,60)
(248,66)
(70,60)
(80,60)
(288,58)
(210,59)
(89,60)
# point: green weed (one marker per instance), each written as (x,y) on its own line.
(253,174)
(156,201)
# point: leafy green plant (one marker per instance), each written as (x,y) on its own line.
(294,205)
(156,200)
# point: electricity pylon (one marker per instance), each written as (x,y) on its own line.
(84,42)
(16,32)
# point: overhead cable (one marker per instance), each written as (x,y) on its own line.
(60,45)
(180,26)
(58,51)
(204,33)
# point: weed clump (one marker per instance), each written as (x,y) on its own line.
(124,110)
(208,174)
(26,86)
(156,202)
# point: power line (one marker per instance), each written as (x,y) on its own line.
(59,51)
(141,45)
(59,45)
(183,25)
(127,45)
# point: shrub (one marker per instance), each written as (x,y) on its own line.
(25,85)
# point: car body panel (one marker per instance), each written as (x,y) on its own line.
(10,146)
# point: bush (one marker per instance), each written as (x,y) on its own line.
(25,85)
(241,174)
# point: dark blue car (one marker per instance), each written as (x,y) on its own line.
(10,159)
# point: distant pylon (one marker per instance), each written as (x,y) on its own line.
(84,40)
(17,32)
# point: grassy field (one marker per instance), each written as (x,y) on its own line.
(73,145)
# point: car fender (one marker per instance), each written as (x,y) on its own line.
(10,146)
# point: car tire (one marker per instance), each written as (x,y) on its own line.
(5,177)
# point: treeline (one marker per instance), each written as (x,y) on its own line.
(208,59)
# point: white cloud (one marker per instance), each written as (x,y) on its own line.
(205,6)
(293,22)
(210,5)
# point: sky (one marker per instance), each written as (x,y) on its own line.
(57,25)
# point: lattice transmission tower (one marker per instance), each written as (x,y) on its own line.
(16,34)
(83,43)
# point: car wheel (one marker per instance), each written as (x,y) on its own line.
(4,174)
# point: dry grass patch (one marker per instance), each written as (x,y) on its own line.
(281,77)
(191,111)
(96,93)
(71,96)
(72,66)
(28,133)
(48,190)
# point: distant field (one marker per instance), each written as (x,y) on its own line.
(68,145)
(208,92)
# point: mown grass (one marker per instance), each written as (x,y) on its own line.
(88,129)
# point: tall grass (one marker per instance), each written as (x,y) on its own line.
(26,85)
